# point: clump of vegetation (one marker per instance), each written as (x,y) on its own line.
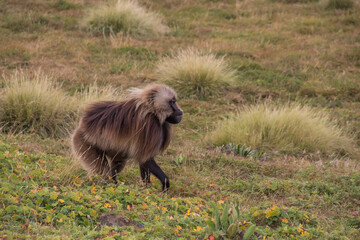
(95,93)
(289,129)
(65,5)
(228,225)
(340,4)
(33,103)
(195,74)
(126,17)
(295,1)
(242,150)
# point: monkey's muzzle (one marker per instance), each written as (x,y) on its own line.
(178,117)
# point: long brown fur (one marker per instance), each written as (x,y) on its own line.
(110,132)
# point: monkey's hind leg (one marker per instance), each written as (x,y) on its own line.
(117,161)
(92,159)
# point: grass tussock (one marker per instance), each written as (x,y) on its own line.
(124,16)
(288,129)
(95,93)
(33,103)
(195,74)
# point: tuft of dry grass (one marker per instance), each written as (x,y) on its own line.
(33,103)
(126,17)
(290,129)
(95,93)
(195,74)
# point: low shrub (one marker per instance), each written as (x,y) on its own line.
(195,74)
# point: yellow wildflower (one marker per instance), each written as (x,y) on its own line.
(272,212)
(255,214)
(47,219)
(198,228)
(188,213)
(61,200)
(304,233)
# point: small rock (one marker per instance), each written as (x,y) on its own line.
(109,219)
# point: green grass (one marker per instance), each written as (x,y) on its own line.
(340,4)
(288,129)
(126,17)
(45,195)
(253,74)
(65,5)
(195,74)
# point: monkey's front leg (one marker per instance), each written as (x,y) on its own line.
(150,166)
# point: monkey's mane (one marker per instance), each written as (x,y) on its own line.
(135,127)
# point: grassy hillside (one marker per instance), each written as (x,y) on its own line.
(281,53)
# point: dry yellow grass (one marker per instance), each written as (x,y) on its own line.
(195,74)
(34,103)
(289,129)
(95,93)
(125,16)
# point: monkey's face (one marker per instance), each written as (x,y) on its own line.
(176,113)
